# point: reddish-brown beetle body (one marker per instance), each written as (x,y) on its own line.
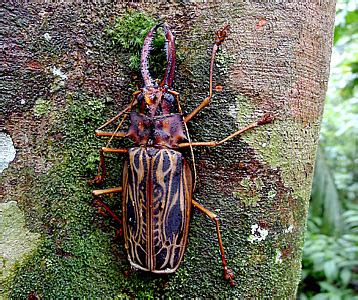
(157,182)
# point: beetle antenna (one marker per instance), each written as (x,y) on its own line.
(188,136)
(192,154)
(120,124)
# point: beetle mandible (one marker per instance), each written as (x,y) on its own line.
(158,183)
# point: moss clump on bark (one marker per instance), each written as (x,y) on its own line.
(128,34)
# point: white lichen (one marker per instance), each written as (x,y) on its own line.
(289,229)
(47,37)
(7,151)
(278,258)
(257,233)
(58,72)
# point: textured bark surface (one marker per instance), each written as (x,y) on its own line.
(276,59)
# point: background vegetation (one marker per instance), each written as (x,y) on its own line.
(330,258)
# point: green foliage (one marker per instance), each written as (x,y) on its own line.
(326,199)
(346,41)
(329,262)
(128,34)
(330,257)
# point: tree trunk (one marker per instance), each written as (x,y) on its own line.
(62,82)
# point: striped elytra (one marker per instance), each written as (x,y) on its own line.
(156,208)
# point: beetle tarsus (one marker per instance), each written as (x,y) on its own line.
(99,192)
(221,35)
(229,275)
(266,118)
(119,232)
(98,178)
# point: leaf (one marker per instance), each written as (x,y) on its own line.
(304,274)
(330,270)
(351,238)
(345,276)
(325,201)
(326,286)
(351,220)
(320,296)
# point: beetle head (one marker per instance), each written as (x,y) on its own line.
(152,95)
(156,101)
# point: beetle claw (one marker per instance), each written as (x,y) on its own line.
(229,275)
(221,35)
(118,233)
(94,180)
(97,179)
(267,118)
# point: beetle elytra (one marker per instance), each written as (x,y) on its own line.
(158,182)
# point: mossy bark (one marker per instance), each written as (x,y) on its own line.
(62,82)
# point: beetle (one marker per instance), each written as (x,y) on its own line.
(158,183)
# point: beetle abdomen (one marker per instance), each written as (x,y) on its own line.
(156,208)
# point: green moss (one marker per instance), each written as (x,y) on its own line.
(42,108)
(249,190)
(268,146)
(128,34)
(222,61)
(75,257)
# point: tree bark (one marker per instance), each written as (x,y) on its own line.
(275,60)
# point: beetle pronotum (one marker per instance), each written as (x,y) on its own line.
(157,182)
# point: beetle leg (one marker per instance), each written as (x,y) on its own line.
(267,118)
(205,102)
(96,193)
(100,175)
(110,133)
(106,191)
(99,132)
(220,37)
(227,272)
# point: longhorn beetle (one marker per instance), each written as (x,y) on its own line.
(157,182)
